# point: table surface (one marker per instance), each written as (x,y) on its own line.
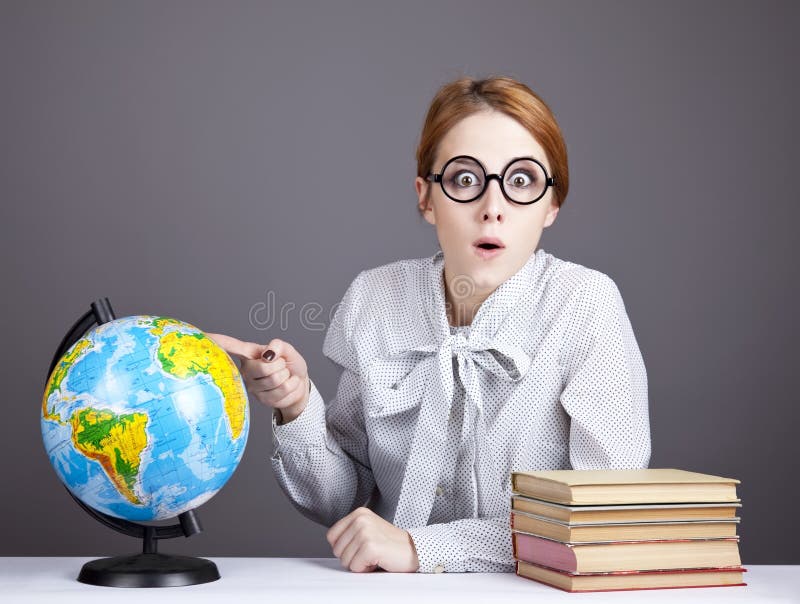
(325,581)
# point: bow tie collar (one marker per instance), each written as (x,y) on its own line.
(430,385)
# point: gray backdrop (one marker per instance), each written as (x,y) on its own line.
(193,158)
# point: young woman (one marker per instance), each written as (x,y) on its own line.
(488,357)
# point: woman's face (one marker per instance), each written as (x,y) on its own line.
(494,139)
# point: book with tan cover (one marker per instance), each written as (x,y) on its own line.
(619,531)
(613,581)
(602,487)
(578,514)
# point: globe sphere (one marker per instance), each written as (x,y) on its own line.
(144,418)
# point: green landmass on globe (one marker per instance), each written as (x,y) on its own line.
(145,417)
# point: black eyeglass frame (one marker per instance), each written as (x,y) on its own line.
(549,181)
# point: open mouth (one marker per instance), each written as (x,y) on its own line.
(488,243)
(488,247)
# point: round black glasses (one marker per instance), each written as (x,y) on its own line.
(523,181)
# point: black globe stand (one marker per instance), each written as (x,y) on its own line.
(148,569)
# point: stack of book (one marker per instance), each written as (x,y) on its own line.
(603,530)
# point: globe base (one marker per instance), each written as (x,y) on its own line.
(148,570)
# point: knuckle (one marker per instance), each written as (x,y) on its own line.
(272,369)
(275,364)
(287,392)
(273,380)
(279,396)
(369,550)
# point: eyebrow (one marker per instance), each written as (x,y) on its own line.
(505,165)
(462,160)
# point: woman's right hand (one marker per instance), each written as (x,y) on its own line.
(275,373)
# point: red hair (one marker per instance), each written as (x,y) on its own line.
(463,97)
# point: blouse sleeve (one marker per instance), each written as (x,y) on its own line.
(605,393)
(320,458)
(467,545)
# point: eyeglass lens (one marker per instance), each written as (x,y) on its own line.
(523,181)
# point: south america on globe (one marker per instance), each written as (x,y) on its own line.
(144,418)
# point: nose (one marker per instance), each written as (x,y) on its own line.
(493,202)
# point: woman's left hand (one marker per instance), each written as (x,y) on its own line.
(363,542)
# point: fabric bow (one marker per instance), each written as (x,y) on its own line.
(432,383)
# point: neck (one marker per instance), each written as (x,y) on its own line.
(462,303)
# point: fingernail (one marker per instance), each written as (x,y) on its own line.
(268,355)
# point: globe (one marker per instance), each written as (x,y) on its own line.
(144,418)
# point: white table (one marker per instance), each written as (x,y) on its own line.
(324,581)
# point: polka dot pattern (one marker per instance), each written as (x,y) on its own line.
(429,420)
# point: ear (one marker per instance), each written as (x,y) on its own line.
(550,217)
(424,203)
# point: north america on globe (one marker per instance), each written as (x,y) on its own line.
(144,418)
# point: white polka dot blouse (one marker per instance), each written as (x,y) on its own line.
(430,420)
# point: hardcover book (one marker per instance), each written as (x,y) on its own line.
(614,581)
(604,487)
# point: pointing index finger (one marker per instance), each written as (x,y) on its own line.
(236,347)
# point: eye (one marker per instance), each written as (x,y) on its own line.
(464,178)
(521,178)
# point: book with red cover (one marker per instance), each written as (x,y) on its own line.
(609,556)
